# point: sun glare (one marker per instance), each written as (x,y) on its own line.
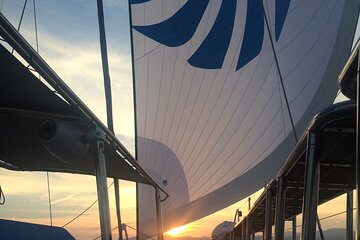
(176,231)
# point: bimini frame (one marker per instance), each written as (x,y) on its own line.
(100,134)
(349,84)
(323,165)
(320,168)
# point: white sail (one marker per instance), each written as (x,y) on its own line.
(212,118)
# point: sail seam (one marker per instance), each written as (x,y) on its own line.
(228,122)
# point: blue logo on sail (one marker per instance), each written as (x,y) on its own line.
(180,28)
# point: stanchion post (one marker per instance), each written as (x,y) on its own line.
(159,216)
(294,228)
(268,215)
(311,189)
(357,150)
(349,215)
(280,209)
(102,191)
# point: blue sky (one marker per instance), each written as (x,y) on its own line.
(68,41)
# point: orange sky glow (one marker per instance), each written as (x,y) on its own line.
(27,200)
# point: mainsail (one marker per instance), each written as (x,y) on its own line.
(220,87)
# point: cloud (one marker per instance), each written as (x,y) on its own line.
(63,199)
(79,66)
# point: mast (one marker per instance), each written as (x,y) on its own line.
(135,114)
(107,86)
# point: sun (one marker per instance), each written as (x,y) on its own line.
(176,231)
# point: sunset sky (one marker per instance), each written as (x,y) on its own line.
(68,41)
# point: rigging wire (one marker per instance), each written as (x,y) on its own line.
(1,6)
(134,105)
(282,84)
(80,214)
(87,209)
(324,218)
(37,50)
(148,237)
(22,15)
(279,72)
(21,18)
(2,197)
(36,29)
(139,231)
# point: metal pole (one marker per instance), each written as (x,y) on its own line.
(249,203)
(243,231)
(268,215)
(280,209)
(357,151)
(294,228)
(49,197)
(123,227)
(311,190)
(159,215)
(105,64)
(102,191)
(237,216)
(253,233)
(117,204)
(247,235)
(349,215)
(107,87)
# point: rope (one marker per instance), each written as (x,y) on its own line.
(279,72)
(128,227)
(2,197)
(80,214)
